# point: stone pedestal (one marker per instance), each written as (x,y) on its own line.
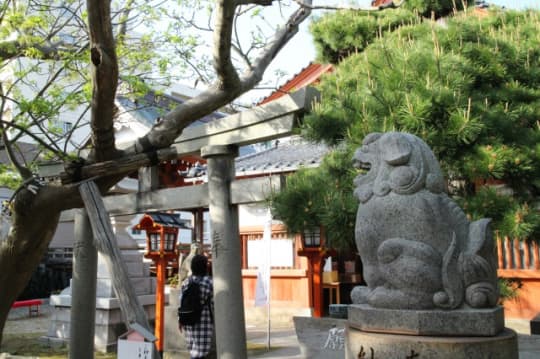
(459,322)
(360,344)
(109,322)
(438,334)
(174,341)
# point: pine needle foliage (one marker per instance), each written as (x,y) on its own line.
(469,86)
(314,197)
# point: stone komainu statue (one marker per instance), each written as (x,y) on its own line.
(184,269)
(418,249)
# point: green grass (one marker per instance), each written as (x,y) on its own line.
(31,345)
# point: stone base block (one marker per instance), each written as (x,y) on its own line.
(459,322)
(360,344)
(109,323)
(320,338)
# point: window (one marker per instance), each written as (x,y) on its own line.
(255,252)
(61,126)
(66,126)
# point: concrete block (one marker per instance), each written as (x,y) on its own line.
(105,336)
(58,330)
(174,340)
(134,269)
(60,300)
(132,256)
(146,269)
(141,285)
(61,314)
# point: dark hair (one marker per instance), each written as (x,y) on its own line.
(199,265)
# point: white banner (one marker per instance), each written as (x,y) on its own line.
(262,288)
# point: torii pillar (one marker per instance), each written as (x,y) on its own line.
(229,320)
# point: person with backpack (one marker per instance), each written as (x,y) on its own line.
(195,314)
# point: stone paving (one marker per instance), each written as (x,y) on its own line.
(284,343)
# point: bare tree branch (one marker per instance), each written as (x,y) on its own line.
(105,78)
(228,85)
(23,171)
(281,37)
(226,73)
(255,2)
(3,8)
(122,30)
(23,130)
(48,50)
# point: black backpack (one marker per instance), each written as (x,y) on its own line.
(189,312)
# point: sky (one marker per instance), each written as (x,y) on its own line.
(300,51)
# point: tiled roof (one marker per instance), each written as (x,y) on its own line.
(168,219)
(23,152)
(285,156)
(152,106)
(309,75)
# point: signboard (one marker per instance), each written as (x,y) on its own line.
(128,349)
(282,248)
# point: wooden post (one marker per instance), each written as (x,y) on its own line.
(526,255)
(536,255)
(508,253)
(318,307)
(500,254)
(226,266)
(83,290)
(105,241)
(315,258)
(518,262)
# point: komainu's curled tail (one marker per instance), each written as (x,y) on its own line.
(452,295)
(478,267)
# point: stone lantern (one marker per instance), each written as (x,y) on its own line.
(161,236)
(313,248)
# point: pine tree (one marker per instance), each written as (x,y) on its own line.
(467,85)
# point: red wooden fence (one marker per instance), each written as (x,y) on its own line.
(516,254)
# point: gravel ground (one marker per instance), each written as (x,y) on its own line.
(19,321)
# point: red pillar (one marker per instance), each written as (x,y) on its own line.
(315,258)
(161,266)
(318,302)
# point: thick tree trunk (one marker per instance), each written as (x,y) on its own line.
(34,221)
(20,254)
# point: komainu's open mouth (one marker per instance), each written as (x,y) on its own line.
(366,166)
(361,166)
